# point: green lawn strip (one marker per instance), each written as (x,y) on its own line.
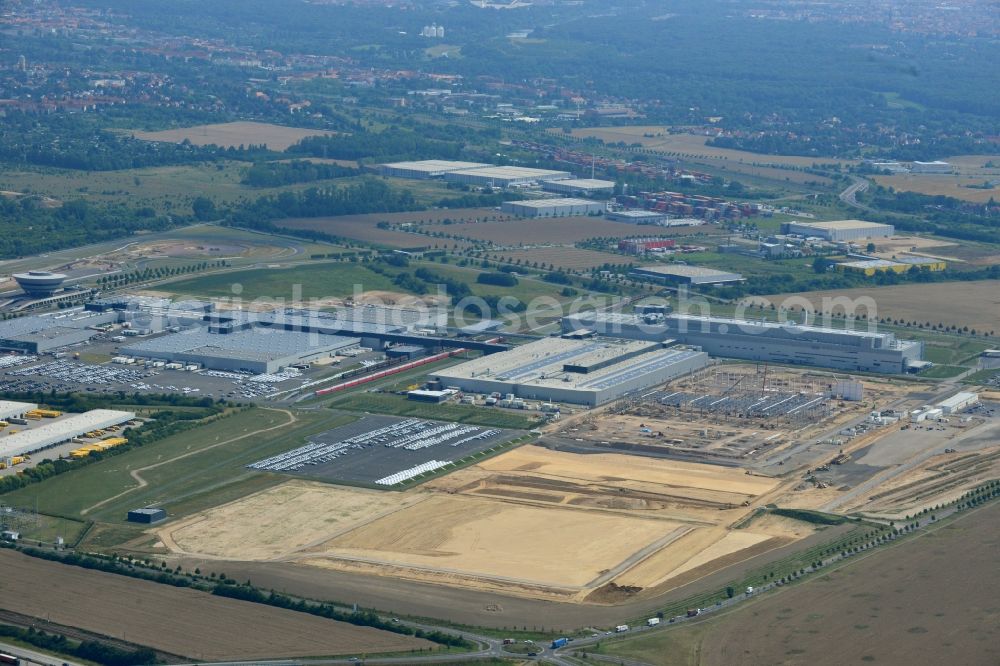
(315,281)
(943,371)
(400,406)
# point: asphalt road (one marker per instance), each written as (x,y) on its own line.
(32,657)
(849,196)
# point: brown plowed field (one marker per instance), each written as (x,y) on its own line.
(178,621)
(932,600)
(566,257)
(973,304)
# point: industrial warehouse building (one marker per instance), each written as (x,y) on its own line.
(760,340)
(585,372)
(637,216)
(259,351)
(684,274)
(504,176)
(60,431)
(552,207)
(839,230)
(42,333)
(424,169)
(585,187)
(15,410)
(870,267)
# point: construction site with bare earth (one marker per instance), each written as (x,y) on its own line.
(691,478)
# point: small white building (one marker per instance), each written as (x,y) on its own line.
(959,402)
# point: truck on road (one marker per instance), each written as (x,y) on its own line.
(559,642)
(652,622)
(621,628)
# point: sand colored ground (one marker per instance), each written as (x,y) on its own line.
(227,135)
(617,467)
(554,546)
(973,304)
(179,621)
(279,520)
(953,185)
(656,137)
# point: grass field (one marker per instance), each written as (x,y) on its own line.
(184,473)
(317,281)
(227,135)
(896,606)
(180,621)
(400,406)
(943,371)
(166,189)
(982,376)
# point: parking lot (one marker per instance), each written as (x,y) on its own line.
(384,451)
(65,373)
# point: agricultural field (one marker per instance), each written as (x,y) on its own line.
(565,257)
(233,135)
(658,138)
(563,230)
(896,605)
(179,621)
(975,178)
(365,228)
(973,304)
(957,186)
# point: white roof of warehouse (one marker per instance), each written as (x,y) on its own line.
(546,203)
(513,172)
(435,165)
(10,407)
(61,430)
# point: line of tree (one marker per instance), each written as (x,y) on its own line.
(277,174)
(94,651)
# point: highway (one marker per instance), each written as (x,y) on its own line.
(32,657)
(849,196)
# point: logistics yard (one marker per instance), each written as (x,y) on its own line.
(384,451)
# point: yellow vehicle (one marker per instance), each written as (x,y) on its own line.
(46,413)
(18,460)
(3,424)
